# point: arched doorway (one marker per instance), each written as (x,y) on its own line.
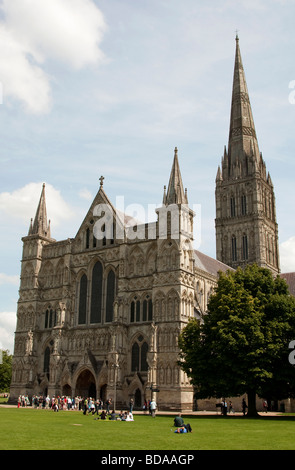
(85,385)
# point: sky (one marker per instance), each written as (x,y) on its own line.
(111,87)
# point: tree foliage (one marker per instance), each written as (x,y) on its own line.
(242,346)
(5,370)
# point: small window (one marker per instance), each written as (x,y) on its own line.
(244,204)
(87,238)
(245,247)
(234,248)
(232,207)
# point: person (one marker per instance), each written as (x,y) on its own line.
(85,406)
(244,406)
(113,416)
(103,415)
(224,407)
(153,406)
(108,404)
(265,406)
(181,430)
(129,417)
(178,421)
(131,403)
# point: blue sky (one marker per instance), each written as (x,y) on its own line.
(111,87)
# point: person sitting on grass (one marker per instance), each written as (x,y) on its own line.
(113,416)
(178,421)
(103,415)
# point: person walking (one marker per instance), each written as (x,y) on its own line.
(153,406)
(244,406)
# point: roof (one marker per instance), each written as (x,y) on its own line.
(290,279)
(208,264)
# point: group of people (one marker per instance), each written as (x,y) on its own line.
(122,416)
(57,403)
(87,405)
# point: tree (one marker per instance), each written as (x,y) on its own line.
(5,370)
(242,346)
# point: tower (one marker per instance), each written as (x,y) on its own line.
(25,357)
(245,224)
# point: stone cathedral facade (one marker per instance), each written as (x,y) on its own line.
(100,314)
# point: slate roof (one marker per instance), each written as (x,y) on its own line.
(208,264)
(290,279)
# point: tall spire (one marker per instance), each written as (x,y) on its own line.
(242,134)
(175,192)
(40,225)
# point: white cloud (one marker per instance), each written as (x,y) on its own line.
(85,194)
(287,255)
(22,203)
(8,279)
(7,329)
(20,78)
(33,31)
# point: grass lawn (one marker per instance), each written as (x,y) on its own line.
(30,429)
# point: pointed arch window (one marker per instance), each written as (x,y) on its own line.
(147,309)
(143,357)
(111,286)
(87,238)
(234,248)
(244,204)
(82,300)
(139,355)
(135,358)
(46,364)
(245,247)
(232,206)
(96,293)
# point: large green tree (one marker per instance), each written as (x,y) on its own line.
(242,345)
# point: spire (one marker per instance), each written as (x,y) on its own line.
(175,191)
(40,225)
(242,134)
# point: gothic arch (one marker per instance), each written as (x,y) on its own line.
(93,263)
(136,260)
(173,302)
(159,306)
(111,286)
(96,292)
(169,255)
(81,298)
(138,351)
(84,382)
(151,259)
(59,273)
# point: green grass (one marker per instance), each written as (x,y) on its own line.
(29,429)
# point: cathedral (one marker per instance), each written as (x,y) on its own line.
(100,314)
